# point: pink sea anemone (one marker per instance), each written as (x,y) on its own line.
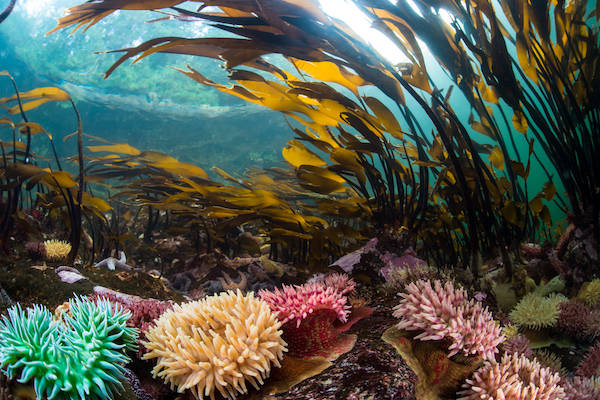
(340,282)
(444,312)
(295,303)
(515,377)
(518,344)
(308,313)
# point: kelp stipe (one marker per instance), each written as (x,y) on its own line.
(6,12)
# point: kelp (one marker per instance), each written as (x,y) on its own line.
(155,181)
(551,85)
(55,190)
(6,12)
(445,187)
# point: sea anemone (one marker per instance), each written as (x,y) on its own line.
(57,250)
(444,312)
(592,330)
(340,282)
(590,292)
(590,366)
(550,360)
(217,343)
(143,311)
(78,359)
(308,313)
(573,319)
(513,378)
(555,284)
(107,321)
(518,344)
(580,388)
(36,250)
(537,312)
(295,303)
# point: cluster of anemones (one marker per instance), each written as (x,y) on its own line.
(80,356)
(222,342)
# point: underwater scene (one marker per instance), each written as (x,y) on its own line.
(300,199)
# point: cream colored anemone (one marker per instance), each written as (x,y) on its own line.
(537,312)
(217,343)
(57,250)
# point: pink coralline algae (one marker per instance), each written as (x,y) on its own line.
(515,377)
(444,312)
(295,303)
(348,261)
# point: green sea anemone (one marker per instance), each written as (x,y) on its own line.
(537,312)
(79,358)
(590,292)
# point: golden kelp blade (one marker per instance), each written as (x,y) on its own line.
(122,148)
(33,128)
(297,155)
(329,72)
(37,97)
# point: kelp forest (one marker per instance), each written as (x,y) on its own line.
(434,232)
